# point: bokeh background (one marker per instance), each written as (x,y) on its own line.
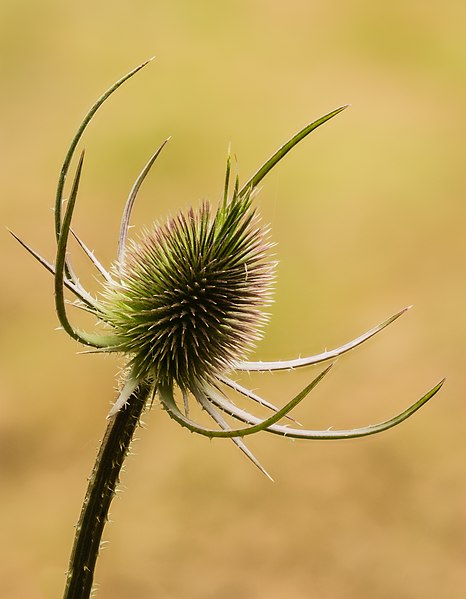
(369,216)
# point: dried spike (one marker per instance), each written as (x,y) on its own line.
(318,358)
(75,288)
(209,408)
(167,399)
(285,431)
(74,142)
(130,203)
(90,254)
(251,395)
(283,150)
(85,338)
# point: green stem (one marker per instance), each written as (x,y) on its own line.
(100,492)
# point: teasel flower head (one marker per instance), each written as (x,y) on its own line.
(184,303)
(187,300)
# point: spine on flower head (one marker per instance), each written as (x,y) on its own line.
(188,300)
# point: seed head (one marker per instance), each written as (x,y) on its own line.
(188,299)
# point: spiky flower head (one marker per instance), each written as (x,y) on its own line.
(187,302)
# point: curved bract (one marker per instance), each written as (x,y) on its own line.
(184,303)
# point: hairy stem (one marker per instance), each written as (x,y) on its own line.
(100,492)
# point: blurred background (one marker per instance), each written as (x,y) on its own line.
(368,215)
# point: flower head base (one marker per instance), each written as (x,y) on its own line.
(184,304)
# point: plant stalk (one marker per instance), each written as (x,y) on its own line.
(100,492)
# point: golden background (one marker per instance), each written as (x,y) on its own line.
(369,215)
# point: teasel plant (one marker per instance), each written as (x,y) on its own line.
(183,303)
